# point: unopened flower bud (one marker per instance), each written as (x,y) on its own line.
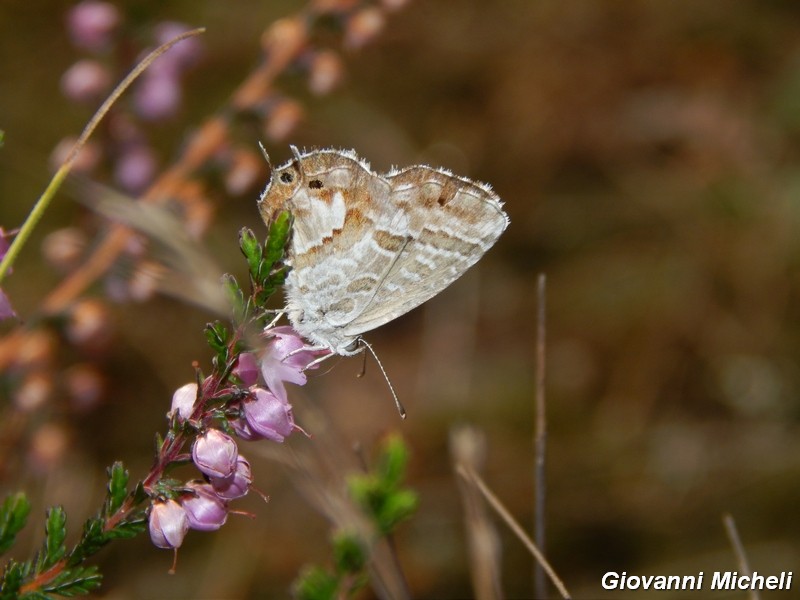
(363,27)
(85,386)
(244,170)
(183,401)
(91,24)
(168,524)
(269,416)
(63,248)
(88,325)
(238,485)
(205,510)
(215,454)
(326,72)
(34,391)
(282,120)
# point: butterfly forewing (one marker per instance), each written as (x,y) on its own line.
(368,248)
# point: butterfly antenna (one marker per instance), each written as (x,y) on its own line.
(397,403)
(299,160)
(265,154)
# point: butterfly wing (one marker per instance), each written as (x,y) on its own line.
(336,260)
(446,224)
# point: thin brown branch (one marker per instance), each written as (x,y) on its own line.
(515,527)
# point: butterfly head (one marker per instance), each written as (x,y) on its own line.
(283,184)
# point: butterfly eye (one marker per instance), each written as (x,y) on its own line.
(315,184)
(287,177)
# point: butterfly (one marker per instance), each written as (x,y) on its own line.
(366,247)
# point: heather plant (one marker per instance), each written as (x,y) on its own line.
(242,395)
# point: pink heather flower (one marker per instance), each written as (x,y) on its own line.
(158,95)
(238,485)
(183,401)
(168,524)
(205,510)
(215,454)
(92,24)
(135,167)
(85,81)
(285,360)
(268,415)
(246,368)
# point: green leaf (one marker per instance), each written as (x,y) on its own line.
(315,583)
(397,506)
(117,487)
(13,516)
(279,230)
(55,532)
(235,296)
(75,582)
(392,461)
(252,250)
(93,538)
(349,555)
(380,493)
(11,580)
(217,336)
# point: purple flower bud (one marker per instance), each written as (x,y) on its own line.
(135,168)
(91,24)
(183,401)
(6,311)
(246,368)
(158,95)
(85,81)
(285,359)
(268,416)
(205,510)
(238,485)
(168,524)
(215,454)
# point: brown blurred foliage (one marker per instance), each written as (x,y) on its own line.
(647,153)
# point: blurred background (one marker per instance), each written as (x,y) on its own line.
(649,157)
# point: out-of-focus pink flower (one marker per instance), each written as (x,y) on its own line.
(183,401)
(215,454)
(285,360)
(246,368)
(236,486)
(6,311)
(135,168)
(158,95)
(268,415)
(85,81)
(91,24)
(168,524)
(205,510)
